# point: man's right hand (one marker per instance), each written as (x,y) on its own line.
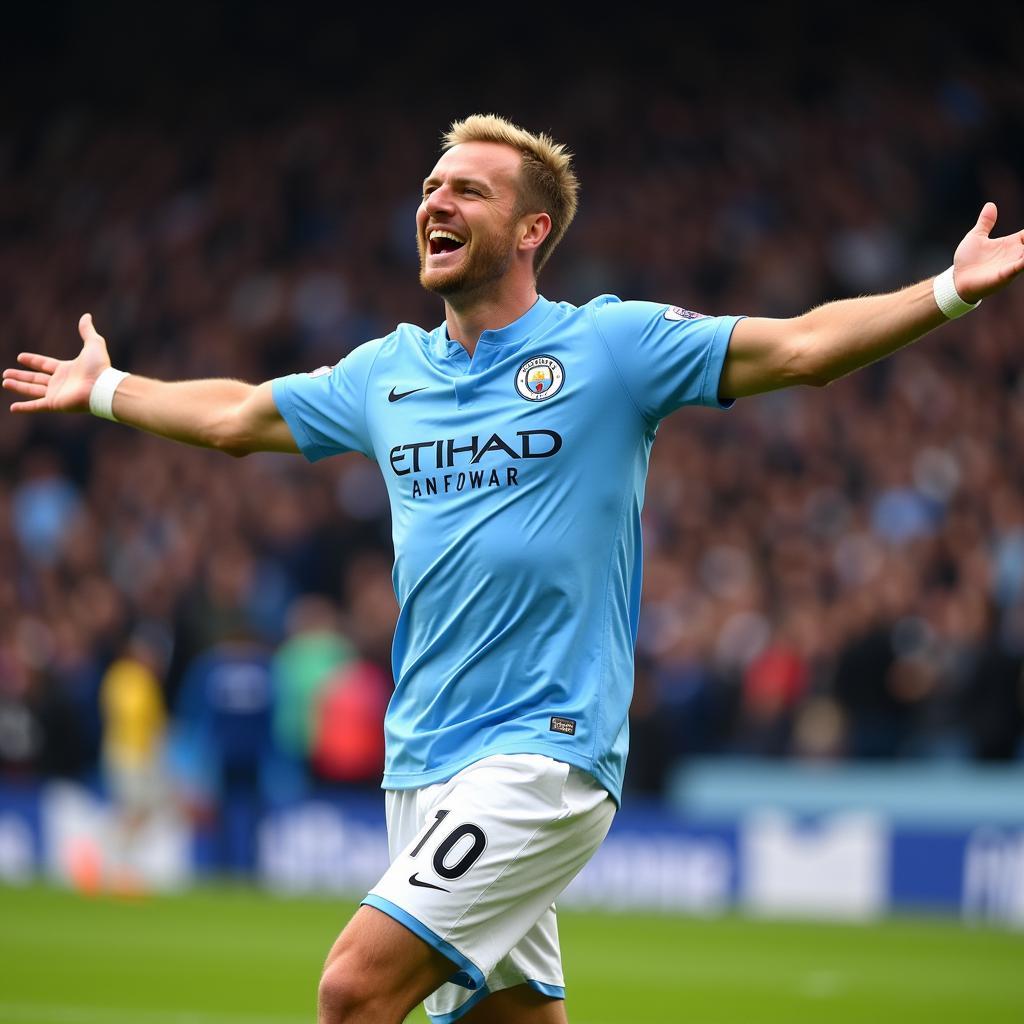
(228,415)
(59,385)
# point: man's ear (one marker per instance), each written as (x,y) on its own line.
(534,228)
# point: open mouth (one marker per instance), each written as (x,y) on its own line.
(442,241)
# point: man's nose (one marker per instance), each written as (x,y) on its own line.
(439,200)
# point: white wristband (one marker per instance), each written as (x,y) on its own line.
(101,398)
(948,298)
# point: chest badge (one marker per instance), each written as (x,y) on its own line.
(539,378)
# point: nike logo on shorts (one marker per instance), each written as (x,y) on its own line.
(413,880)
(397,396)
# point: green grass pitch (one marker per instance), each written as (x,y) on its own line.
(237,956)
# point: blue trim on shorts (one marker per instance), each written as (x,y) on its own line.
(470,976)
(552,991)
(461,1011)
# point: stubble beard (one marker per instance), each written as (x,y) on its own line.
(490,262)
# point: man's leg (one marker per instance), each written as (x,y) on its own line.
(519,1005)
(377,971)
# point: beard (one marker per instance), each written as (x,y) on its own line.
(488,262)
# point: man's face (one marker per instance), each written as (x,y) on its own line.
(466,225)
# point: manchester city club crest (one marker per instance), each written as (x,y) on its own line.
(539,378)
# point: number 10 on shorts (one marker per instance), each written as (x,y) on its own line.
(455,854)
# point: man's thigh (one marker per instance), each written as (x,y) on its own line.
(378,970)
(389,971)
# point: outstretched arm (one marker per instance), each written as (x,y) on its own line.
(228,415)
(832,340)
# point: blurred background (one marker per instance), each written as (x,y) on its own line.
(194,651)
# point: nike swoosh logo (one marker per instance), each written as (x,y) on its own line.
(413,880)
(397,396)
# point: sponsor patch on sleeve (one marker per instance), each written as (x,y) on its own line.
(564,725)
(320,371)
(678,313)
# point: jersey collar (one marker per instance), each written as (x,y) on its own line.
(517,331)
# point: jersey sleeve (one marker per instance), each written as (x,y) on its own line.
(326,409)
(666,357)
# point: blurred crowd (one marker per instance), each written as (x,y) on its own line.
(830,573)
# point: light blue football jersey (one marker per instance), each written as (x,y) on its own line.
(516,480)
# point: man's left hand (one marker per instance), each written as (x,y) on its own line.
(982,264)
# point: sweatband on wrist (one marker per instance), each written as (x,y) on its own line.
(101,398)
(948,298)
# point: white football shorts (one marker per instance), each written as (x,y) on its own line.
(476,864)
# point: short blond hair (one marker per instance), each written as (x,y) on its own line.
(548,182)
